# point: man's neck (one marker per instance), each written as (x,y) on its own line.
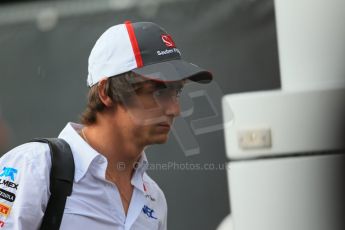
(122,154)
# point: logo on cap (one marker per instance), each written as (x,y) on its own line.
(167,39)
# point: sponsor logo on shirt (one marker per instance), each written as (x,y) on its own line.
(9,173)
(150,197)
(149,212)
(2,224)
(6,195)
(8,184)
(4,209)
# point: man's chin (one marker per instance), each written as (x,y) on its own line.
(162,139)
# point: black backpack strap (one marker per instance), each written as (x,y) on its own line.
(61,181)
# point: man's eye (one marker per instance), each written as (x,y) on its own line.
(168,93)
(162,93)
(178,92)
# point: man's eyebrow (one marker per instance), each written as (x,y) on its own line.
(157,85)
(149,85)
(175,84)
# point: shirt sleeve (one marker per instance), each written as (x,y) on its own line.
(24,186)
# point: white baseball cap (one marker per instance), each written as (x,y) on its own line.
(144,48)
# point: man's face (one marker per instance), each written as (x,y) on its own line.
(151,111)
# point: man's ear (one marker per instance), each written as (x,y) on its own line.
(103,96)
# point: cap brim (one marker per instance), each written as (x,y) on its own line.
(174,70)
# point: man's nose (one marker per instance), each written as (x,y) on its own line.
(173,107)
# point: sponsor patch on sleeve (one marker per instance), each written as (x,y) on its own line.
(8,184)
(4,209)
(2,224)
(6,195)
(9,173)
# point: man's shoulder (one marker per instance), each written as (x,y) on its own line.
(27,153)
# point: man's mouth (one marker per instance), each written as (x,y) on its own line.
(164,125)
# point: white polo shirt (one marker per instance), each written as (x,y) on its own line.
(95,203)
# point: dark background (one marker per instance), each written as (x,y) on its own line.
(43,83)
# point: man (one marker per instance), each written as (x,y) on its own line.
(135,76)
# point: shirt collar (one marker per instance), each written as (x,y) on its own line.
(142,164)
(84,155)
(138,175)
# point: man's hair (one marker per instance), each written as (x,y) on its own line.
(119,88)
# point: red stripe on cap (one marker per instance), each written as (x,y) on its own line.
(134,43)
